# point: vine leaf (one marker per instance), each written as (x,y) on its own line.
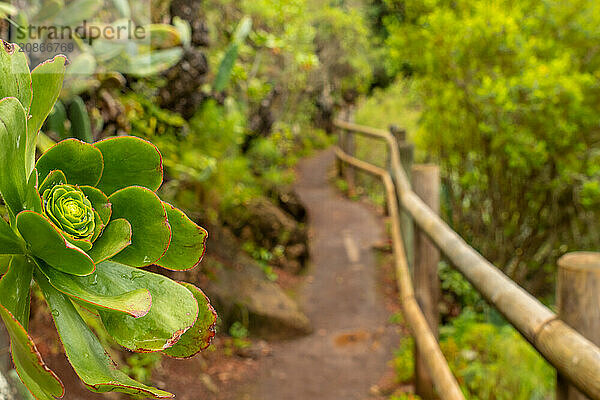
(198,337)
(45,241)
(129,161)
(85,353)
(187,242)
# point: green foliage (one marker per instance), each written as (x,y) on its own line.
(464,294)
(57,119)
(81,127)
(140,365)
(342,40)
(125,52)
(80,222)
(493,361)
(404,361)
(226,65)
(490,361)
(297,51)
(509,95)
(262,256)
(404,396)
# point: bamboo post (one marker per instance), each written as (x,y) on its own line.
(426,184)
(406,151)
(578,302)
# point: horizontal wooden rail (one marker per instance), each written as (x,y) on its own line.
(435,362)
(575,357)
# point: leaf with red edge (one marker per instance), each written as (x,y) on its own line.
(115,237)
(16,78)
(135,303)
(99,202)
(148,218)
(81,162)
(15,287)
(85,353)
(187,242)
(45,241)
(129,161)
(56,177)
(198,337)
(46,82)
(174,309)
(13,138)
(10,243)
(36,376)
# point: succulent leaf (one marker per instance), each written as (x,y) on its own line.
(148,218)
(13,139)
(198,337)
(187,243)
(16,78)
(33,200)
(56,120)
(85,353)
(135,303)
(10,243)
(99,202)
(70,210)
(54,178)
(174,308)
(80,162)
(46,81)
(14,311)
(32,370)
(81,127)
(115,237)
(129,161)
(4,263)
(45,241)
(15,288)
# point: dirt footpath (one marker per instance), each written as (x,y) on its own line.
(353,341)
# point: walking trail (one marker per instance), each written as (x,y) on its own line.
(352,341)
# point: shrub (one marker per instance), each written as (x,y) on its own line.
(509,94)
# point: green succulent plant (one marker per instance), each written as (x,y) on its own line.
(81,221)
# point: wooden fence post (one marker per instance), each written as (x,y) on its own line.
(347,142)
(406,151)
(578,302)
(350,172)
(426,184)
(339,163)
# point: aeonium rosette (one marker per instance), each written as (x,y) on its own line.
(83,219)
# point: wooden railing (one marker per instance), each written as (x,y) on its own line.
(576,358)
